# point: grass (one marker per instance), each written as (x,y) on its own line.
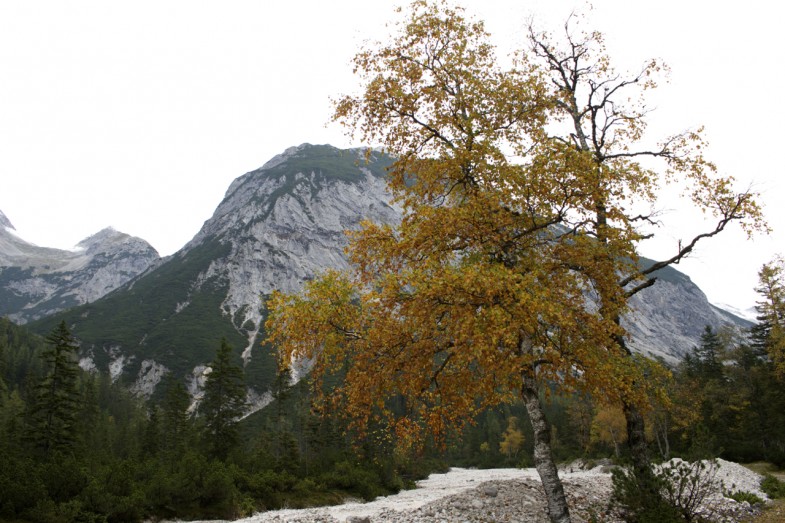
(773,513)
(764,467)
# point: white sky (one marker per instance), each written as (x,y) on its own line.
(139,114)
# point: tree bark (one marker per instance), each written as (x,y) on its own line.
(636,437)
(543,455)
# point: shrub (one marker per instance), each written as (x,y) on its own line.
(641,499)
(675,492)
(687,485)
(741,496)
(772,487)
(352,478)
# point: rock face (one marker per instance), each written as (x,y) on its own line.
(287,221)
(38,281)
(667,319)
(277,227)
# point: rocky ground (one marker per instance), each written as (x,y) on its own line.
(513,495)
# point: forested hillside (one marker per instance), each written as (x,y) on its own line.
(121,459)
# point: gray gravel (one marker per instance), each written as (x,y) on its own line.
(511,495)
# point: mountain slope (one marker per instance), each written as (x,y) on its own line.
(667,319)
(39,281)
(277,227)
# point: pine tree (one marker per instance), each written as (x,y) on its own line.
(771,312)
(56,403)
(223,403)
(707,355)
(175,421)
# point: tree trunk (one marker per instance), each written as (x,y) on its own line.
(543,456)
(636,425)
(636,437)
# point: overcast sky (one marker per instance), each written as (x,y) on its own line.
(138,115)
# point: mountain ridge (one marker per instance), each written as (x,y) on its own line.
(277,227)
(39,281)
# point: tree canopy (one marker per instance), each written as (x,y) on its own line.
(527,192)
(475,288)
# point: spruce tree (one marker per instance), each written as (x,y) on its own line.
(708,355)
(174,420)
(223,403)
(56,402)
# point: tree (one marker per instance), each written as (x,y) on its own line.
(705,358)
(512,439)
(57,398)
(473,300)
(598,129)
(175,422)
(609,426)
(770,331)
(224,402)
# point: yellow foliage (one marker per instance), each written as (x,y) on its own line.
(517,251)
(512,439)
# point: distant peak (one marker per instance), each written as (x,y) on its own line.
(102,236)
(5,222)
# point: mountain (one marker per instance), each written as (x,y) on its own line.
(39,281)
(667,319)
(277,227)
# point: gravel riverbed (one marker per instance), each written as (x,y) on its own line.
(511,495)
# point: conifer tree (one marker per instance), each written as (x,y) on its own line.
(771,312)
(175,420)
(707,355)
(57,398)
(223,403)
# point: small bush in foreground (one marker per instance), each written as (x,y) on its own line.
(772,487)
(742,495)
(642,501)
(674,492)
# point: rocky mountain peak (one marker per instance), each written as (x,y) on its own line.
(5,222)
(38,281)
(110,240)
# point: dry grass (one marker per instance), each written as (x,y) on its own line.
(775,509)
(773,513)
(764,467)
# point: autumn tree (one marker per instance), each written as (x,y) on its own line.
(771,312)
(474,298)
(512,438)
(598,126)
(609,426)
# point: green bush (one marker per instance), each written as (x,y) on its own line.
(352,478)
(772,487)
(742,495)
(21,486)
(641,499)
(672,493)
